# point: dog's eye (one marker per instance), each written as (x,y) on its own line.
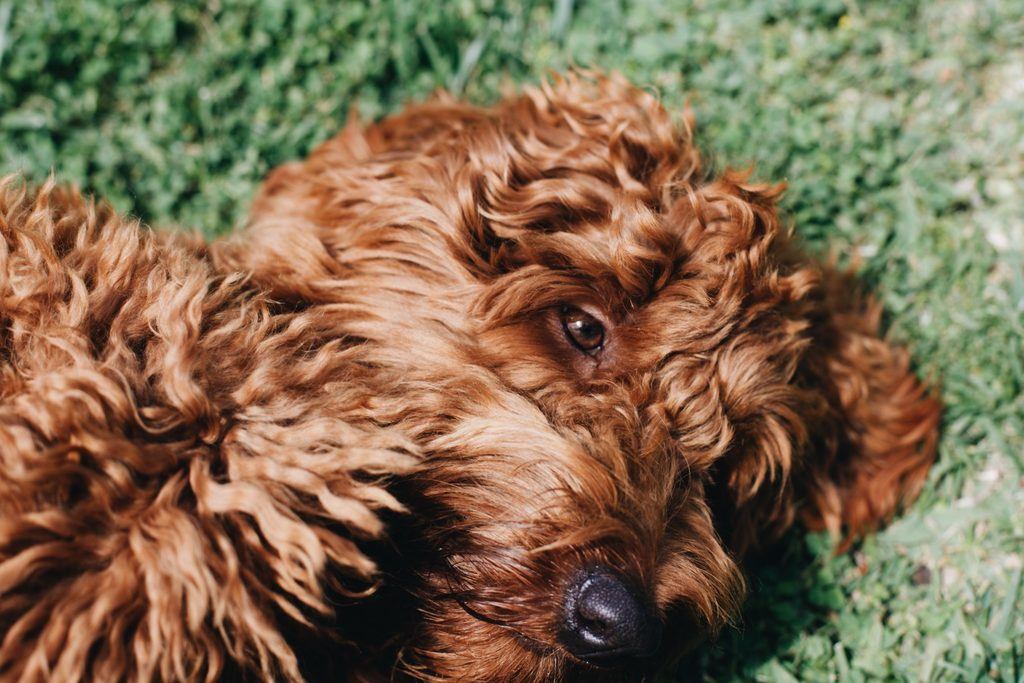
(582,329)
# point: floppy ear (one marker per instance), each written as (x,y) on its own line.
(871,446)
(832,426)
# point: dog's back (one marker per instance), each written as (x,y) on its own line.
(175,470)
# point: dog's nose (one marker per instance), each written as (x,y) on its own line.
(606,623)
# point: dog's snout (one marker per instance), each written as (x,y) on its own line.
(605,622)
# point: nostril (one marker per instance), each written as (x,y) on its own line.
(605,622)
(600,609)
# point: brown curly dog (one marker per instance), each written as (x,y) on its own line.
(480,394)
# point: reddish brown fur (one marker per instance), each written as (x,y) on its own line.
(190,455)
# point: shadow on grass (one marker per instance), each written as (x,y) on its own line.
(792,590)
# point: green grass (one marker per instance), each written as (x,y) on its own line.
(898,125)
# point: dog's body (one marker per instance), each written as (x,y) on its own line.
(585,379)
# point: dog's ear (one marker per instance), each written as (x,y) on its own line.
(874,440)
(833,426)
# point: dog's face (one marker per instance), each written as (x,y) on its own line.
(631,362)
(609,363)
(630,344)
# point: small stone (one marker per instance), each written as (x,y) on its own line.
(922,576)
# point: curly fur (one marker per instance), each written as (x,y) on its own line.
(359,423)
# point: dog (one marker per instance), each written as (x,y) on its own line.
(496,393)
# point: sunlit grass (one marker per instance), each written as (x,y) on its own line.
(899,127)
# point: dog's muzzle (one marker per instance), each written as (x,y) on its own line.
(605,622)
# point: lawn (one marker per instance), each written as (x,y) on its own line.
(899,127)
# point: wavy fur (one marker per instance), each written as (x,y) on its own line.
(200,444)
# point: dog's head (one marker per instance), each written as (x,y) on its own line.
(620,372)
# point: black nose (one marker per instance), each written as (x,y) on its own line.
(606,623)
